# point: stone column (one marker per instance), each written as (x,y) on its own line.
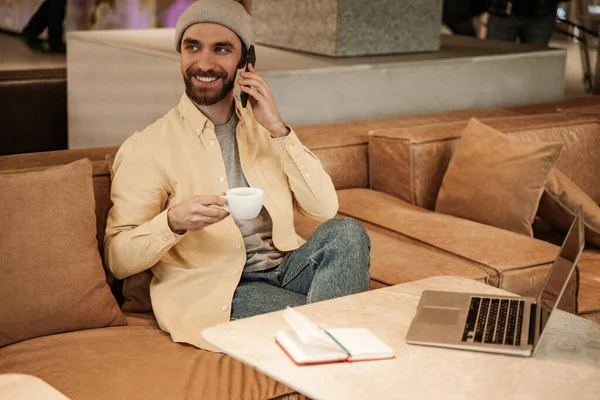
(340,28)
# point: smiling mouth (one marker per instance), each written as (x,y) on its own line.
(205,79)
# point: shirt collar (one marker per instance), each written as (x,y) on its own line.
(198,121)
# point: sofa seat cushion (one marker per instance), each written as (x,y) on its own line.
(517,263)
(471,240)
(137,361)
(396,259)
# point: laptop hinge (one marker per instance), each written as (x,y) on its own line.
(532,324)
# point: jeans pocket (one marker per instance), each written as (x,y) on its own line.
(292,271)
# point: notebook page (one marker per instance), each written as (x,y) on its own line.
(361,343)
(302,353)
(308,332)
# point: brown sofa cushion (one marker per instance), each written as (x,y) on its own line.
(513,262)
(496,181)
(483,244)
(396,259)
(52,276)
(560,202)
(135,362)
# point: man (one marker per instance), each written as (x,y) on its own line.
(532,21)
(458,15)
(50,14)
(166,216)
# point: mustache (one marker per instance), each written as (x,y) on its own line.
(191,71)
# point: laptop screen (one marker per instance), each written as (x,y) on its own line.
(561,271)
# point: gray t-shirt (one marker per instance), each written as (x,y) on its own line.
(261,253)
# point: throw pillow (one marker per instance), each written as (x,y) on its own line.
(52,276)
(494,180)
(560,201)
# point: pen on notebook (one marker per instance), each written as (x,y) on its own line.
(338,343)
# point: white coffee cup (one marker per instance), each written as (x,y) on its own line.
(244,202)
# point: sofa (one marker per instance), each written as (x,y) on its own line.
(388,173)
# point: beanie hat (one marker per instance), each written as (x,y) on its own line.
(228,13)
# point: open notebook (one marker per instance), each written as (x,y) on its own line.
(306,343)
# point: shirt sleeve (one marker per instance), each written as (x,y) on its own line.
(137,229)
(312,187)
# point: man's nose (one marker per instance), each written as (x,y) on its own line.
(205,62)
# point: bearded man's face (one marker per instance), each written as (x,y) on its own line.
(210,57)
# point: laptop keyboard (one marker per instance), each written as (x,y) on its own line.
(496,321)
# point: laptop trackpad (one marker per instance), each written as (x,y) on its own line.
(438,316)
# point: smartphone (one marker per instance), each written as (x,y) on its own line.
(251,60)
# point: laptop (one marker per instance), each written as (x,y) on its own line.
(496,324)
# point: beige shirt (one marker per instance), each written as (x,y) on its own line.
(178,156)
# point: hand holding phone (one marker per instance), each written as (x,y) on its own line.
(251,60)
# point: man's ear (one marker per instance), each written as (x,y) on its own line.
(244,57)
(242,63)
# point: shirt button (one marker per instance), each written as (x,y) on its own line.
(224,308)
(291,147)
(212,142)
(221,179)
(238,246)
(307,175)
(237,271)
(198,131)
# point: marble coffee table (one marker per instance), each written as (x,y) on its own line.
(27,387)
(566,366)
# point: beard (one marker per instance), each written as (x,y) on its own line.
(207,96)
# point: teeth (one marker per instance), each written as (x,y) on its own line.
(208,80)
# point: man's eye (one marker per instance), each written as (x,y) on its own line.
(221,50)
(192,47)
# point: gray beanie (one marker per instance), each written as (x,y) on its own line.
(228,13)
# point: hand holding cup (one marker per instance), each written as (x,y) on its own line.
(196,213)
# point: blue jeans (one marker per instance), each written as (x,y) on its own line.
(333,262)
(536,31)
